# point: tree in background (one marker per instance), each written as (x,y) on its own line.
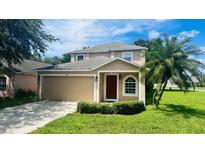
(20,39)
(149,44)
(203,81)
(57,60)
(66,58)
(170,58)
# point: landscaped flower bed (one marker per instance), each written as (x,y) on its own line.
(122,107)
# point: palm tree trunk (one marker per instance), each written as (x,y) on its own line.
(158,93)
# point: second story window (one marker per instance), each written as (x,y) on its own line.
(127,56)
(80,57)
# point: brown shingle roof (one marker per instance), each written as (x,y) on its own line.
(109,47)
(87,64)
(29,66)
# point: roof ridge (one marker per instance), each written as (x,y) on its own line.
(107,47)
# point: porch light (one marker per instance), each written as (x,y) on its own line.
(96,78)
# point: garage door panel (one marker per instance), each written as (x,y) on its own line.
(67,88)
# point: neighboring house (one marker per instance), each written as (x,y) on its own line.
(108,72)
(171,84)
(22,76)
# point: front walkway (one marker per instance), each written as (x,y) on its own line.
(26,118)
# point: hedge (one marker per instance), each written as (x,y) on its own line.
(24,93)
(122,107)
(129,107)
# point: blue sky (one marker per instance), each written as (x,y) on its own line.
(75,34)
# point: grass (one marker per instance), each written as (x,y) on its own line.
(9,102)
(178,113)
(191,89)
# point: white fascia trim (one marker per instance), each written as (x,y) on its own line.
(118,71)
(136,86)
(40,71)
(68,75)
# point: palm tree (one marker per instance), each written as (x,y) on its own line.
(172,58)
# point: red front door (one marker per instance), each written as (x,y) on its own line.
(111,87)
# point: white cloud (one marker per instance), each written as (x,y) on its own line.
(202,48)
(153,34)
(75,34)
(125,29)
(162,20)
(185,34)
(202,60)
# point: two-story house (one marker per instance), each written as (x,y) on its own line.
(108,72)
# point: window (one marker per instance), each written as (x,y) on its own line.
(127,56)
(130,86)
(2,83)
(80,57)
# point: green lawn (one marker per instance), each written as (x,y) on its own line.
(9,102)
(178,113)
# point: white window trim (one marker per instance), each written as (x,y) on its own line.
(105,80)
(6,83)
(123,55)
(136,85)
(80,55)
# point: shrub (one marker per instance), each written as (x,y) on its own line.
(129,107)
(123,107)
(107,108)
(88,107)
(24,93)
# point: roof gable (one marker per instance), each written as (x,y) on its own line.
(117,64)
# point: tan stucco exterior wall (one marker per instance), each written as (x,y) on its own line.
(101,88)
(94,55)
(121,97)
(138,56)
(27,82)
(90,55)
(114,66)
(84,86)
(68,88)
(120,84)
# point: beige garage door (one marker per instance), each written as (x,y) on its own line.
(70,88)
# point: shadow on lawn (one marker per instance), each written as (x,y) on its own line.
(185,111)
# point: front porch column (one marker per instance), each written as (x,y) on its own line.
(142,92)
(39,87)
(96,80)
(98,88)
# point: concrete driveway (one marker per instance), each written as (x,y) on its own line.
(26,118)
